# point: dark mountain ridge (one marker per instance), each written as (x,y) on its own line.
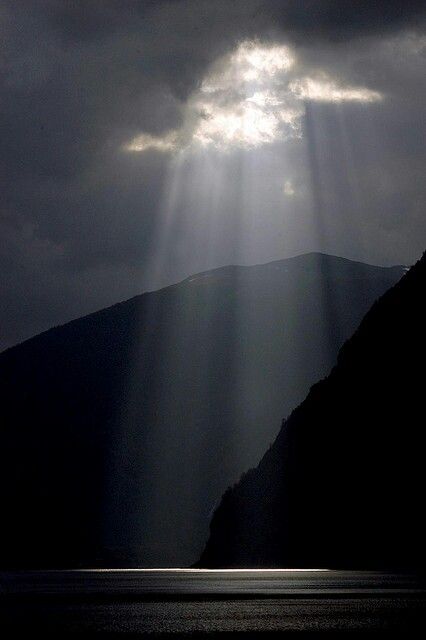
(343,484)
(121,430)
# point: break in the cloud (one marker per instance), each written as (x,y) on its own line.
(146,142)
(253,96)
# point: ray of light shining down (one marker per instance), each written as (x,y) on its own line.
(254,109)
(335,205)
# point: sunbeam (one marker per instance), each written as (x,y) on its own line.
(259,137)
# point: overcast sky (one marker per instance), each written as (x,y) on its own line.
(145,141)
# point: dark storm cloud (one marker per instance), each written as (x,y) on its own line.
(79,79)
(334,19)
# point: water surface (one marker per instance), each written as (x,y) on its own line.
(197,601)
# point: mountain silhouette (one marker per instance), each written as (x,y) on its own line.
(343,483)
(121,430)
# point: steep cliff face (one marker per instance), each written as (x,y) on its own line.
(343,484)
(121,430)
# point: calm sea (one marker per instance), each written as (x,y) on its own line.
(186,601)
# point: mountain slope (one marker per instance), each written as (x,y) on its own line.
(121,430)
(343,484)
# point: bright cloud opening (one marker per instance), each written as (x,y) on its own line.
(146,141)
(239,103)
(325,90)
(254,96)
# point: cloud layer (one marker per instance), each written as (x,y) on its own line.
(309,118)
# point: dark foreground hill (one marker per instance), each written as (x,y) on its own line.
(121,430)
(343,485)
